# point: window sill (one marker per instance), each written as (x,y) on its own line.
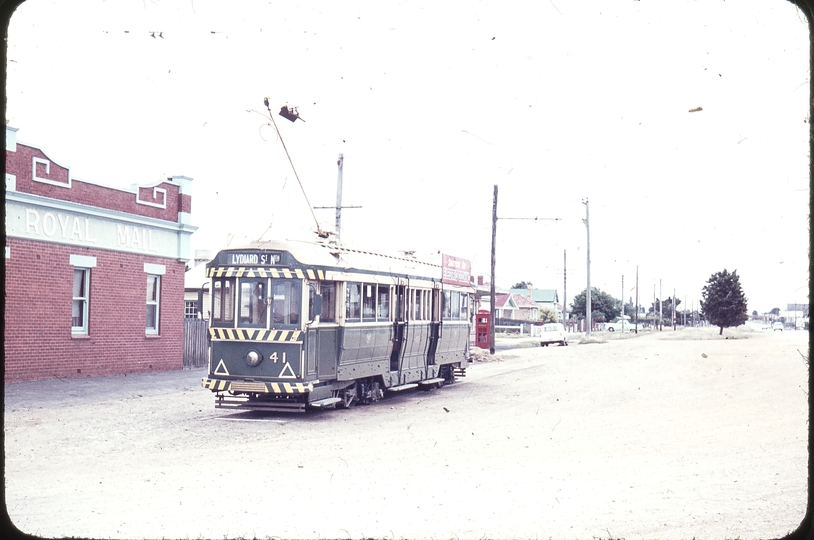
(152,336)
(80,336)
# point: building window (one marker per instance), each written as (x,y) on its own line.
(153,298)
(81,297)
(190,309)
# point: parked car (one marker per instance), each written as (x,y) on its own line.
(553,333)
(777,326)
(620,326)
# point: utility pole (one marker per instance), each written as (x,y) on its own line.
(637,299)
(564,294)
(661,313)
(674,309)
(340,164)
(588,312)
(623,306)
(492,284)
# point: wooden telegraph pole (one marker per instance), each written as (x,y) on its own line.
(492,284)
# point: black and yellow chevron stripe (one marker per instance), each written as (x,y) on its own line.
(217,385)
(287,336)
(252,272)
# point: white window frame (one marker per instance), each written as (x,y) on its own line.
(84,301)
(154,272)
(82,263)
(190,309)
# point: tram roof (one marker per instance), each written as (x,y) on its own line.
(343,258)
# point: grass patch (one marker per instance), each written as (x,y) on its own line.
(587,340)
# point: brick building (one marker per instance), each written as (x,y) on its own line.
(94,275)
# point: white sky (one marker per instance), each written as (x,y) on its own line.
(434,103)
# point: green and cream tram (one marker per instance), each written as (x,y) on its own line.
(301,324)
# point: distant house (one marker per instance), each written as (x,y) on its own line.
(542,298)
(196,287)
(515,306)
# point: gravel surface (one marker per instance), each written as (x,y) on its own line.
(662,435)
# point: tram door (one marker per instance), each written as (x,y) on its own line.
(435,326)
(398,328)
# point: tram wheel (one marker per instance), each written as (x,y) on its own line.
(348,398)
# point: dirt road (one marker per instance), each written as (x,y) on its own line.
(668,435)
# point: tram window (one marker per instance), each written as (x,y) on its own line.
(455,305)
(252,303)
(369,302)
(286,301)
(223,300)
(353,302)
(446,305)
(464,315)
(328,291)
(383,303)
(415,297)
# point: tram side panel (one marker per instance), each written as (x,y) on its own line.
(364,351)
(453,344)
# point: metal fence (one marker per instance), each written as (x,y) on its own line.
(196,343)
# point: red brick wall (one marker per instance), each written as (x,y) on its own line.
(38,288)
(19,164)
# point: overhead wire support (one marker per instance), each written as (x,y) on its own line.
(492,292)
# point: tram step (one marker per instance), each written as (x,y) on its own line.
(402,387)
(431,381)
(228,402)
(325,402)
(460,372)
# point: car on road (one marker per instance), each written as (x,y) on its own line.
(553,333)
(777,326)
(622,325)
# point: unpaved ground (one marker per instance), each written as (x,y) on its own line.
(664,435)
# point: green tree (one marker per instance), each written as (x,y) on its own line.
(522,285)
(548,314)
(723,302)
(604,307)
(666,307)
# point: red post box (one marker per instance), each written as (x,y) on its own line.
(482,329)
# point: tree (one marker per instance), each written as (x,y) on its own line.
(522,285)
(548,314)
(665,306)
(723,302)
(604,306)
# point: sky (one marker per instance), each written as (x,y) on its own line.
(684,126)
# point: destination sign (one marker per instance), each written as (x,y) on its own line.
(252,259)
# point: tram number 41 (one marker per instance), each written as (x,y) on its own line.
(274,357)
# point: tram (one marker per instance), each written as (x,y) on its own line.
(297,325)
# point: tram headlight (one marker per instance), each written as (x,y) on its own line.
(253,358)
